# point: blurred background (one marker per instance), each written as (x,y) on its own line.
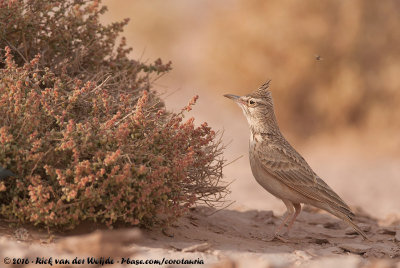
(335,71)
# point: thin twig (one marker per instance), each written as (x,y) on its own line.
(234,160)
(101,84)
(11,45)
(218,210)
(40,160)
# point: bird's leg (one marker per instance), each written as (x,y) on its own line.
(297,206)
(284,220)
(289,213)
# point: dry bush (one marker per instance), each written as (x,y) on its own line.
(84,132)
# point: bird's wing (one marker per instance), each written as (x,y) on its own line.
(289,167)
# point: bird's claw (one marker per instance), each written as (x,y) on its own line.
(280,238)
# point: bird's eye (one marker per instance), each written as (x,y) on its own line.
(251,102)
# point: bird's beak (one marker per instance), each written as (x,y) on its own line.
(234,98)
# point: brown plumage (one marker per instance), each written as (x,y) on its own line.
(279,168)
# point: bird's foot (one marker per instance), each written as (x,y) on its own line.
(275,237)
(268,239)
(280,238)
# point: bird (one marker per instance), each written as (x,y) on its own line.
(5,173)
(280,169)
(318,57)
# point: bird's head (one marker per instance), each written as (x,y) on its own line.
(257,107)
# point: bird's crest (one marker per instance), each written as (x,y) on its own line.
(264,86)
(263,91)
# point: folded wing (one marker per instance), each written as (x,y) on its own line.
(290,168)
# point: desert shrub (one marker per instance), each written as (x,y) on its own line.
(83,130)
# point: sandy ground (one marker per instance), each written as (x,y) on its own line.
(227,238)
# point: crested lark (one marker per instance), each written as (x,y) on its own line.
(280,169)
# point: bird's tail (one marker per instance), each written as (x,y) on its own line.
(347,219)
